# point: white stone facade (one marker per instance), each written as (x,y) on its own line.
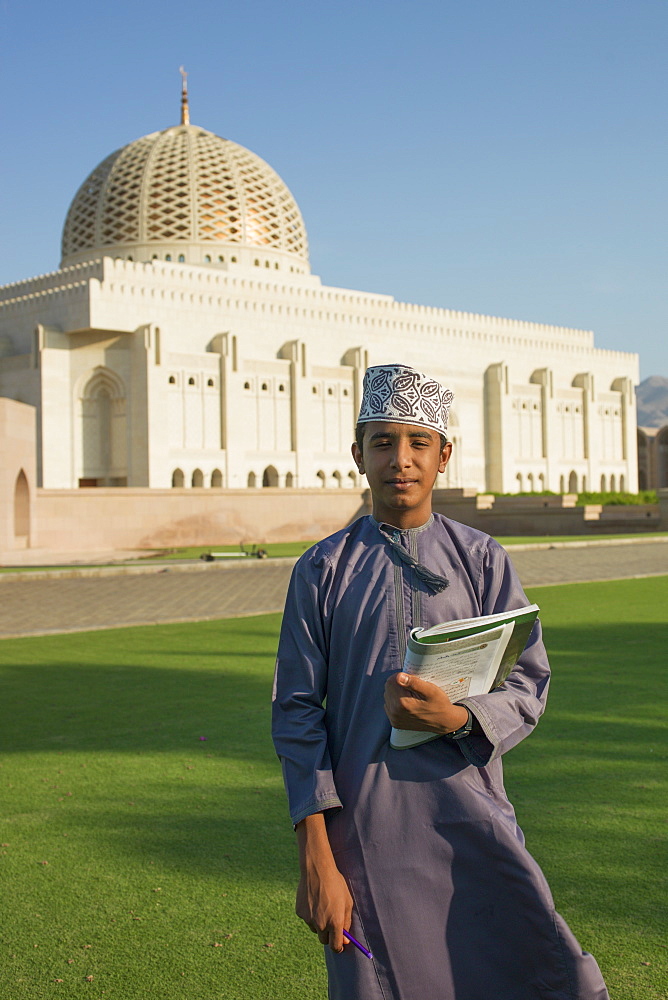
(236,367)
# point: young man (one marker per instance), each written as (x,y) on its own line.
(417,852)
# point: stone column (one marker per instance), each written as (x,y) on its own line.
(624,386)
(585,381)
(294,351)
(225,346)
(495,403)
(544,378)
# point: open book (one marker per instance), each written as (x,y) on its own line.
(465,657)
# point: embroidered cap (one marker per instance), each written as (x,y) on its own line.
(402,395)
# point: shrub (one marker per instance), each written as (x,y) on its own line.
(617,499)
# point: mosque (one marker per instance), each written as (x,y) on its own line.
(184,342)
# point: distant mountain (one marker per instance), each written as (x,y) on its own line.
(652,401)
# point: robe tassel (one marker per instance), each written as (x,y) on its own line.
(435,582)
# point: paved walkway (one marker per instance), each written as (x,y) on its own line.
(95,598)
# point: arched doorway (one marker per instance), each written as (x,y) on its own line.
(21,511)
(104,449)
(270,476)
(197,478)
(178,479)
(216,479)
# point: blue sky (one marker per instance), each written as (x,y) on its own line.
(507,158)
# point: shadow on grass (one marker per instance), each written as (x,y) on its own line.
(146,693)
(142,689)
(162,688)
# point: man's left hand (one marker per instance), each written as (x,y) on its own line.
(412,703)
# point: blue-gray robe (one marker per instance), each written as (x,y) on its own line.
(446,896)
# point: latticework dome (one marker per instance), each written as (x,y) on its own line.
(186,194)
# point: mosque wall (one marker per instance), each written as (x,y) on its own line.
(150,518)
(17,476)
(147,374)
(87,519)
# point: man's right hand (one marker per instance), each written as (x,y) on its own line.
(323,901)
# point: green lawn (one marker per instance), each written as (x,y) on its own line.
(162,864)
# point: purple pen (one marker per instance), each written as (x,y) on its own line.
(361,947)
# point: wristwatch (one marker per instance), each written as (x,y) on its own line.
(463,731)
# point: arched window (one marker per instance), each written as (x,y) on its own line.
(531,483)
(22,509)
(216,479)
(168,256)
(352,477)
(573,482)
(172,380)
(198,478)
(289,480)
(338,479)
(622,483)
(604,484)
(613,483)
(270,476)
(322,477)
(562,484)
(207,258)
(178,479)
(182,258)
(252,480)
(209,382)
(191,381)
(520,482)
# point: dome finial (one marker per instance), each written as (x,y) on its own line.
(185,111)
